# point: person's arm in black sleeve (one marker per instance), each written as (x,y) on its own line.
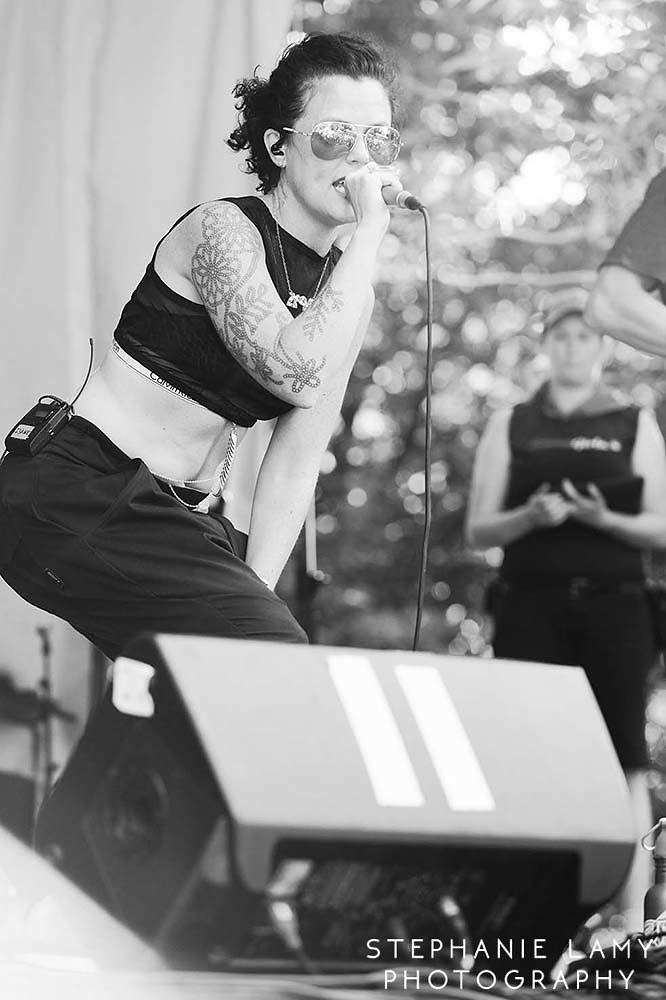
(626,301)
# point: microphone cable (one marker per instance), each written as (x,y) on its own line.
(425,541)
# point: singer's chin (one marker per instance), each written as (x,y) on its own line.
(342,199)
(342,209)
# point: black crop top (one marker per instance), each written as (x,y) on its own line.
(175,337)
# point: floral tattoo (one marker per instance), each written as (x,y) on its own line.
(223,265)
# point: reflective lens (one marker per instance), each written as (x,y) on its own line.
(333,139)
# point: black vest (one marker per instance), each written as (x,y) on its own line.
(585,447)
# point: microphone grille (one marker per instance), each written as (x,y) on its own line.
(405,199)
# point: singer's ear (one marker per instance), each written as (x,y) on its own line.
(273,140)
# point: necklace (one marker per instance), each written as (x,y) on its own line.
(219,477)
(295,300)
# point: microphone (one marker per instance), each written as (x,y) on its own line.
(401,199)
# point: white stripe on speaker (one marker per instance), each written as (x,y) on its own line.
(446,739)
(384,754)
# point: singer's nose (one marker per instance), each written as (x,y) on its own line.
(359,151)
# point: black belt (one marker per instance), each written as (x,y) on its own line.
(576,586)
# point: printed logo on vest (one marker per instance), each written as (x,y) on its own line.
(595,444)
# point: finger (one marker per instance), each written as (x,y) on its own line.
(571,491)
(384,175)
(374,167)
(563,502)
(565,513)
(555,513)
(360,174)
(393,186)
(561,509)
(544,488)
(370,175)
(580,512)
(595,492)
(381,170)
(364,189)
(376,171)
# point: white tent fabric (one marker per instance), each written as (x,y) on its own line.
(114,115)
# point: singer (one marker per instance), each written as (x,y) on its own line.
(247,311)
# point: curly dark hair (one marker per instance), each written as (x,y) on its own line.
(280,100)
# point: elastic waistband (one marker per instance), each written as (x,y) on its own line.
(140,369)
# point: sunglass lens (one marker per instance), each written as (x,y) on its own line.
(383,144)
(332,139)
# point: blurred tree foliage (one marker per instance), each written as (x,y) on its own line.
(531,129)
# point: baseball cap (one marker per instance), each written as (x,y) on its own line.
(565,302)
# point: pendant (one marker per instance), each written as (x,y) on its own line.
(294,301)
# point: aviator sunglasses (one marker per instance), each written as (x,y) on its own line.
(329,140)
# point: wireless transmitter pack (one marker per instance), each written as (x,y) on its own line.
(42,422)
(38,426)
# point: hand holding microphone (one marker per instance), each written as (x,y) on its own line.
(365,184)
(404,199)
(395,195)
(400,198)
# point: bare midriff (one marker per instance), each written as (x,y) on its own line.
(176,437)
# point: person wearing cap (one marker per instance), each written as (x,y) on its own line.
(571,484)
(628,299)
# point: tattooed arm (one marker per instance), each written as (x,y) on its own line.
(289,471)
(296,359)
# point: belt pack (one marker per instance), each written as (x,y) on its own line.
(29,435)
(48,416)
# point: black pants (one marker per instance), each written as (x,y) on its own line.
(87,534)
(607,631)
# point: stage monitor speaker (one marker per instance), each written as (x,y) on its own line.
(248,805)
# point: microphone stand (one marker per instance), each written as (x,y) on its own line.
(309,577)
(44,688)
